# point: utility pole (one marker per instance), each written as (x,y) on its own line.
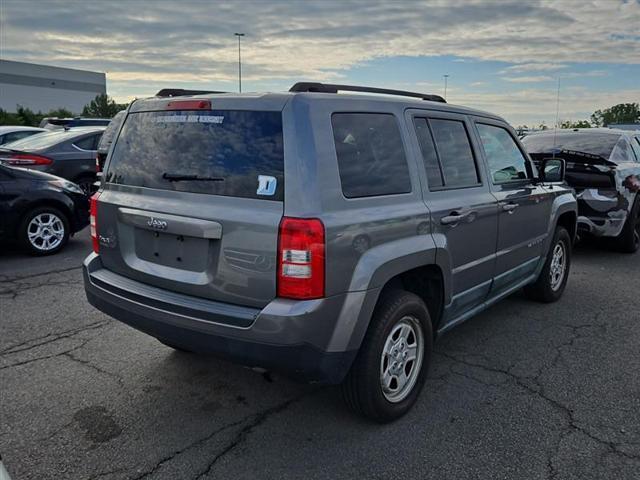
(446,77)
(239,62)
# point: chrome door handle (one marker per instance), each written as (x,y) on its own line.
(454,218)
(510,207)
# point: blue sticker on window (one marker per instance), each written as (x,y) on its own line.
(266,185)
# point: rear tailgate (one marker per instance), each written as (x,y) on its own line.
(192,203)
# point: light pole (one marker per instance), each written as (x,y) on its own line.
(239,62)
(446,77)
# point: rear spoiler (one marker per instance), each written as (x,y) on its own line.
(180,92)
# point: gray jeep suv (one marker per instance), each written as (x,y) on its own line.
(330,237)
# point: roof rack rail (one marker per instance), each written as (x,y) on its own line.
(179,92)
(333,88)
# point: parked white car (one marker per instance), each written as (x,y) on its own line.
(10,134)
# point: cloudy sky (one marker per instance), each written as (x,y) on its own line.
(504,56)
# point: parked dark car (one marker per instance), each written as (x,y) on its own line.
(40,211)
(55,123)
(68,154)
(107,139)
(603,166)
(10,134)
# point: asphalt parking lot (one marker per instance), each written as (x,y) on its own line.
(524,391)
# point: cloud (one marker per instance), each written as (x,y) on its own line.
(311,39)
(534,105)
(532,79)
(532,67)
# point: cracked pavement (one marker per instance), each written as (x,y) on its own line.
(523,391)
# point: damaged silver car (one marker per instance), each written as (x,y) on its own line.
(603,166)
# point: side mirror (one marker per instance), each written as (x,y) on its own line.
(552,170)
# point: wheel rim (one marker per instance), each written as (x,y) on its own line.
(401,359)
(45,231)
(558,266)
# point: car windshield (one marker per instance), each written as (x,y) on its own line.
(598,144)
(44,140)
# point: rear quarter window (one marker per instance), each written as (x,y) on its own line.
(218,152)
(370,153)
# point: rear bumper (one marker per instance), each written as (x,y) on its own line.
(306,340)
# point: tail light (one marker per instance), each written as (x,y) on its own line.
(98,169)
(301,252)
(93,218)
(189,105)
(27,159)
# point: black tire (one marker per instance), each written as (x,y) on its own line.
(545,289)
(174,346)
(23,233)
(362,389)
(629,239)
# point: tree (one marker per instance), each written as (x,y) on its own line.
(578,124)
(621,113)
(102,107)
(60,113)
(27,117)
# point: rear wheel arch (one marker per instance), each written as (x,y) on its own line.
(427,282)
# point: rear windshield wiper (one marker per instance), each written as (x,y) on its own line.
(179,177)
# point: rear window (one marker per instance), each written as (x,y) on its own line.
(43,140)
(110,132)
(599,144)
(371,158)
(218,152)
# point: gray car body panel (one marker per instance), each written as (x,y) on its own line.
(369,240)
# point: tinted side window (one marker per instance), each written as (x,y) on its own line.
(506,161)
(86,143)
(456,156)
(635,144)
(622,152)
(371,157)
(15,136)
(429,155)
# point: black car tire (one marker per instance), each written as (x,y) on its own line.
(545,289)
(362,389)
(23,234)
(629,239)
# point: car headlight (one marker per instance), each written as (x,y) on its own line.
(66,185)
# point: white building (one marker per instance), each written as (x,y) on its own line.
(42,88)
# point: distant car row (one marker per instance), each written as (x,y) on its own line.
(602,165)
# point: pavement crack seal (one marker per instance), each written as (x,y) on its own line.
(255,421)
(90,365)
(46,357)
(4,279)
(572,425)
(50,338)
(15,286)
(198,442)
